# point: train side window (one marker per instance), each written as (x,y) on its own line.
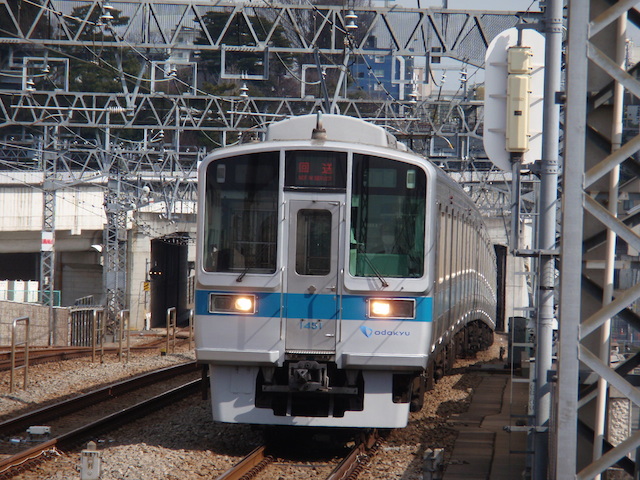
(442,246)
(455,259)
(448,244)
(313,242)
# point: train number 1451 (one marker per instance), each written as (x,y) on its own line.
(310,325)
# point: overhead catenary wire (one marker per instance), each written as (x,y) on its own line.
(118,38)
(337,65)
(92,179)
(100,59)
(112,68)
(115,69)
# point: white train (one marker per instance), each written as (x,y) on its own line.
(338,275)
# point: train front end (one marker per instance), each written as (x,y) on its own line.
(313,275)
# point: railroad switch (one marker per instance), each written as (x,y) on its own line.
(90,463)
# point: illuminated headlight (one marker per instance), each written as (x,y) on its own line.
(244,304)
(231,303)
(391,308)
(381,308)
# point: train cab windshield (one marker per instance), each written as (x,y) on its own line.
(387,218)
(241,214)
(387,202)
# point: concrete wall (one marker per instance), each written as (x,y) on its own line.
(77,209)
(139,251)
(80,220)
(138,297)
(80,276)
(38,323)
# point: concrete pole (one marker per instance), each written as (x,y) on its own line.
(547,232)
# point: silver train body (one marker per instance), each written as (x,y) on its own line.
(338,275)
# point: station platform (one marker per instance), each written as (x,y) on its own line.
(484,449)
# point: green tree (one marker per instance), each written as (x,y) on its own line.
(100,69)
(24,14)
(251,63)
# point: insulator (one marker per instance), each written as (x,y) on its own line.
(351,18)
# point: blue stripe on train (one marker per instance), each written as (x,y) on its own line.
(299,305)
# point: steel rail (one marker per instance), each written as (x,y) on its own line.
(249,466)
(354,463)
(348,469)
(53,354)
(21,461)
(46,356)
(44,414)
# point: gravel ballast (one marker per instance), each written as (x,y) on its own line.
(183,443)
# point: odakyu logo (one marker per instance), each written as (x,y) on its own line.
(367,331)
(370,332)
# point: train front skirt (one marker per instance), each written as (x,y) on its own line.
(233,398)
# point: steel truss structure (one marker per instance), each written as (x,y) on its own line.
(146,130)
(600,170)
(47,264)
(155,25)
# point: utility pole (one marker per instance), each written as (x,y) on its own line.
(115,237)
(48,156)
(548,172)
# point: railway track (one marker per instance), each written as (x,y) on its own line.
(256,462)
(184,443)
(56,410)
(57,354)
(26,458)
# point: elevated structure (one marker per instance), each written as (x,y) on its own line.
(590,433)
(120,95)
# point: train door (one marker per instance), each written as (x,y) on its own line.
(313,303)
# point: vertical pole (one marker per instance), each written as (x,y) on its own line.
(191,316)
(547,233)
(103,330)
(26,351)
(607,291)
(514,241)
(123,330)
(171,325)
(120,333)
(128,337)
(115,238)
(47,253)
(571,245)
(94,334)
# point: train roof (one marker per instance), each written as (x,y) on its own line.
(338,128)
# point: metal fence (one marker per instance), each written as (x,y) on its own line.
(82,324)
(28,296)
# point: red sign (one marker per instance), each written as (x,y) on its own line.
(315,173)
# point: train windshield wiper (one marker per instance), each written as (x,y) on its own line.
(375,270)
(244,272)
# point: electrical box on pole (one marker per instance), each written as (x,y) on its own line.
(514,88)
(518,93)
